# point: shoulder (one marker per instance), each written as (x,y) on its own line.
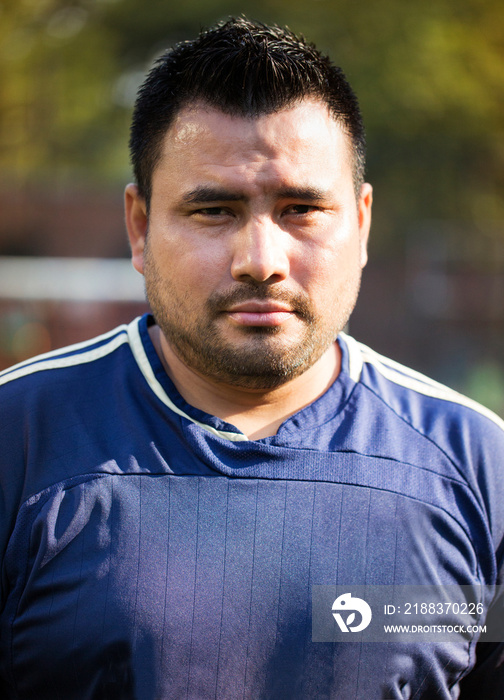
(54,371)
(442,425)
(427,405)
(469,435)
(51,407)
(52,398)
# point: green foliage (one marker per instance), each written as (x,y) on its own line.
(429,74)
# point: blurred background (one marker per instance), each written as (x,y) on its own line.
(430,78)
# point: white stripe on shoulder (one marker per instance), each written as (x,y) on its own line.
(354,356)
(54,360)
(138,351)
(65,350)
(416,381)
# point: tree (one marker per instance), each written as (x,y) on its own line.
(430,76)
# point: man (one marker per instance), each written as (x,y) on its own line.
(172,490)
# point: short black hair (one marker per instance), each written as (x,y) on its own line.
(243,68)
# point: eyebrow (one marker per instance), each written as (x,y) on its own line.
(211,194)
(204,195)
(307,194)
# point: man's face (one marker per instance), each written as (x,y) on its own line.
(254,245)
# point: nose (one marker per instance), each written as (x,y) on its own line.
(260,252)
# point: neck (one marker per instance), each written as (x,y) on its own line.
(257,413)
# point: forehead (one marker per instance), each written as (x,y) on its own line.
(304,135)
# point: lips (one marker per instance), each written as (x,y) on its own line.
(266,313)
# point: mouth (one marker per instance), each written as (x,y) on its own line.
(265,313)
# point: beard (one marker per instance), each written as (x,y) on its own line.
(265,357)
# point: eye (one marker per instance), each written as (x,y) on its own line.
(301,209)
(211,216)
(211,211)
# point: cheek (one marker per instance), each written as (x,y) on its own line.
(327,264)
(201,272)
(330,275)
(189,272)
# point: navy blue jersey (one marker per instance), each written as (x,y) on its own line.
(150,550)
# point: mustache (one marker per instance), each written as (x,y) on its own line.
(298,302)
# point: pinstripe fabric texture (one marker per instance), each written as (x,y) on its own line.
(152,551)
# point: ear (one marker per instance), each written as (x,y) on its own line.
(137,224)
(365,204)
